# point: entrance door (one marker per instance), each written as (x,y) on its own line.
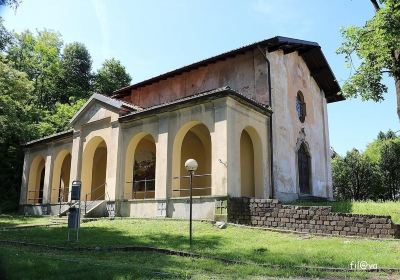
(304,170)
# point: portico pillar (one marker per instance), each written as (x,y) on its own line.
(76,158)
(113,155)
(219,151)
(25,175)
(48,172)
(162,162)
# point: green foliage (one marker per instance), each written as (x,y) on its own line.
(42,85)
(355,177)
(58,120)
(374,149)
(110,77)
(75,76)
(376,46)
(5,36)
(373,175)
(390,168)
(16,111)
(39,57)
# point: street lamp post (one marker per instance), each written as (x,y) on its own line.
(191,166)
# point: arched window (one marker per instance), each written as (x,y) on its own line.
(300,106)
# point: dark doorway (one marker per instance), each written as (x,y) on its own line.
(303,158)
(41,186)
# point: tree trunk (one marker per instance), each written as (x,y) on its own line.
(397,79)
(396,58)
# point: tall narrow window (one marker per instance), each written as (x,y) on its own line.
(304,169)
(300,107)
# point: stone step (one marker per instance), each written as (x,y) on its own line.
(312,198)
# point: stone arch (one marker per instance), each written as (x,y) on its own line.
(304,168)
(140,167)
(94,169)
(193,140)
(61,177)
(36,180)
(251,163)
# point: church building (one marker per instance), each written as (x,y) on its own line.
(254,118)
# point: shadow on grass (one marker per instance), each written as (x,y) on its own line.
(18,261)
(99,236)
(12,220)
(39,264)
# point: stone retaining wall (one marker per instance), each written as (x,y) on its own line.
(311,219)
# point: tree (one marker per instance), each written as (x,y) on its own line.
(390,169)
(356,177)
(58,120)
(374,149)
(39,57)
(111,76)
(377,47)
(16,128)
(5,36)
(75,78)
(11,3)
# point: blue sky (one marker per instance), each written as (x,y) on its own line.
(151,37)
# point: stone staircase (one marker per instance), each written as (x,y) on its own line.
(311,198)
(94,208)
(64,220)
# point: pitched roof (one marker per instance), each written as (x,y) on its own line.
(201,96)
(309,51)
(116,103)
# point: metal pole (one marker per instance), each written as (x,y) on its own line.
(79,219)
(190,208)
(145,187)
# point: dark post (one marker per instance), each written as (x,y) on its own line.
(190,207)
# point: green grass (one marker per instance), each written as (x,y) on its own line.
(14,220)
(24,263)
(254,245)
(388,208)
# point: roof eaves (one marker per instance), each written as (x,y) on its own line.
(56,136)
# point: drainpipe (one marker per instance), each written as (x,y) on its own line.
(271,146)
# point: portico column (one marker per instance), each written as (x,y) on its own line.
(25,175)
(48,172)
(233,147)
(113,156)
(219,151)
(76,158)
(162,162)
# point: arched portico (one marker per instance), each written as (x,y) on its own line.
(61,177)
(94,169)
(36,180)
(140,164)
(192,141)
(251,165)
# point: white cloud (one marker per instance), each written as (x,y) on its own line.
(101,15)
(286,17)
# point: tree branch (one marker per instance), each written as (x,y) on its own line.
(375,4)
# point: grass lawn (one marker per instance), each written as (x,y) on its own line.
(388,208)
(14,220)
(250,245)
